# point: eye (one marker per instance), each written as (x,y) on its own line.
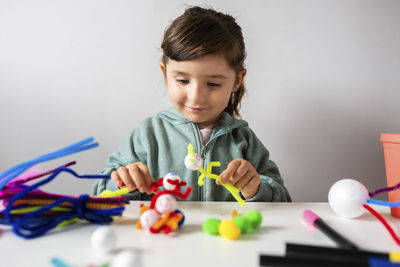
(211,84)
(182,81)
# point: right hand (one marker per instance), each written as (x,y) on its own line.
(134,176)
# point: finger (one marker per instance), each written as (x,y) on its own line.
(242,171)
(244,180)
(148,179)
(117,180)
(239,175)
(230,170)
(254,182)
(126,178)
(222,175)
(137,176)
(251,188)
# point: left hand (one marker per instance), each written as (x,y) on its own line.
(243,175)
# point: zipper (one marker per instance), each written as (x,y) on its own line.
(204,146)
(203,152)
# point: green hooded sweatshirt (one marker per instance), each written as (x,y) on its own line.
(161,142)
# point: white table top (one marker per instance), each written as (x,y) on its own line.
(190,246)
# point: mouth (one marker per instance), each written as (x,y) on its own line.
(196,109)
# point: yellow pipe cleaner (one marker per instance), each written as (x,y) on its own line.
(117,193)
(208,174)
(43,202)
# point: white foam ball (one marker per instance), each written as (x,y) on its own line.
(125,258)
(170,176)
(149,218)
(104,239)
(193,163)
(347,197)
(166,203)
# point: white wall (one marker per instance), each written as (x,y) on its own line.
(323,80)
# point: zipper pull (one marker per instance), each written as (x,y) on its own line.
(203,152)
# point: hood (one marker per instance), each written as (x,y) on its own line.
(226,121)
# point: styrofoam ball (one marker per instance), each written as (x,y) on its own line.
(125,258)
(166,203)
(104,239)
(149,218)
(170,176)
(347,197)
(193,163)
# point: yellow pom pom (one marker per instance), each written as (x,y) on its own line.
(229,229)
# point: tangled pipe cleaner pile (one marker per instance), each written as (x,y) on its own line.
(32,212)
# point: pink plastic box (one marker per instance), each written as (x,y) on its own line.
(391,149)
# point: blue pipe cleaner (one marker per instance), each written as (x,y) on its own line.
(59,263)
(381,262)
(16,170)
(384,203)
(30,226)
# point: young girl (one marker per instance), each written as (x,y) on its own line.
(203,67)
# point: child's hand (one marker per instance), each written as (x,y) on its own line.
(243,175)
(134,176)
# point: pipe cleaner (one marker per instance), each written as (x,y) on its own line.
(161,214)
(193,162)
(350,198)
(16,170)
(32,212)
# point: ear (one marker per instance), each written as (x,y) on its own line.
(239,80)
(163,69)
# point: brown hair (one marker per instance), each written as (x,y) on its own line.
(199,32)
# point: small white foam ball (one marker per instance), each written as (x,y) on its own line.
(149,218)
(193,163)
(104,239)
(347,197)
(166,203)
(170,176)
(125,258)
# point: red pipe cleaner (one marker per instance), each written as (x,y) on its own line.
(384,222)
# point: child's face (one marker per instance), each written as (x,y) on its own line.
(200,89)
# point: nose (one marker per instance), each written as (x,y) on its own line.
(197,93)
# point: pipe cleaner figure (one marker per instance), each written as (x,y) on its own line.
(349,198)
(162,214)
(193,162)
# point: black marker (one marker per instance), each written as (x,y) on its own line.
(313,219)
(331,253)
